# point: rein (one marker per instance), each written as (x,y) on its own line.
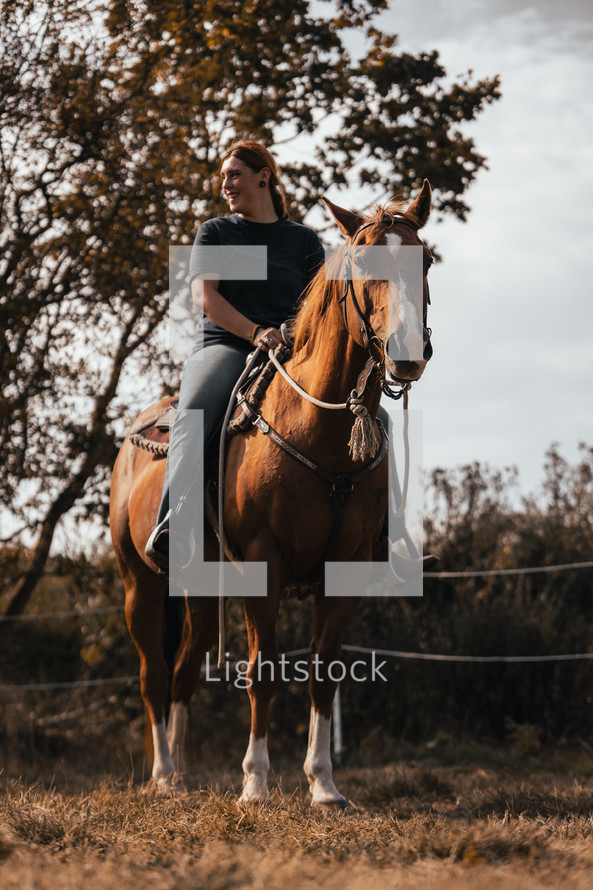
(363,442)
(251,362)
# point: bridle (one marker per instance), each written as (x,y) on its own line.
(371,341)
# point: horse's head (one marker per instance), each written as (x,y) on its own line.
(385,293)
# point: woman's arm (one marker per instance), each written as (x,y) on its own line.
(206,296)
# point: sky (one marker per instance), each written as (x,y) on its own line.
(512,307)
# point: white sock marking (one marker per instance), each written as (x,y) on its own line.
(256,764)
(176,734)
(318,765)
(163,764)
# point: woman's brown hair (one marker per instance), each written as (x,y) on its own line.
(257,156)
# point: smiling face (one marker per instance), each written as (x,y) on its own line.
(241,187)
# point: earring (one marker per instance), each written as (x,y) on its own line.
(262,184)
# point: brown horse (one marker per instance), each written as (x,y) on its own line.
(277,510)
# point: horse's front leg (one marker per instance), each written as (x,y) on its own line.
(263,678)
(330,619)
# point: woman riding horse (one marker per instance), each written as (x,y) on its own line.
(240,314)
(342,334)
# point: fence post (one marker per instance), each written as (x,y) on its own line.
(337,721)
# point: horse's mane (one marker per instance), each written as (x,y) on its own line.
(321,291)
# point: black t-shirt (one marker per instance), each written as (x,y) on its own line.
(263,268)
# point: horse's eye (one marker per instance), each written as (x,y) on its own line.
(359,263)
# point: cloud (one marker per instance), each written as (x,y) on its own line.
(512,312)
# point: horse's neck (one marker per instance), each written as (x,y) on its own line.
(334,362)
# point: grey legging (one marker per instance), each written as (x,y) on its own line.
(207,383)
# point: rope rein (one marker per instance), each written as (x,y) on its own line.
(406,437)
(354,403)
(329,405)
(251,362)
(363,442)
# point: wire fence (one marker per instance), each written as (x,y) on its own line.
(384,653)
(65,613)
(483,573)
(360,650)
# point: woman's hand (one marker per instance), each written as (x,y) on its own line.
(268,338)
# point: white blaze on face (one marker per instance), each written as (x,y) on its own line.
(256,764)
(404,317)
(318,765)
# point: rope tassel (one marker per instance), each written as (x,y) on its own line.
(363,443)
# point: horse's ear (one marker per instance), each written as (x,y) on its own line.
(348,221)
(420,207)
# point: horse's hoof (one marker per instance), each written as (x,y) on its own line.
(167,786)
(338,807)
(254,790)
(253,799)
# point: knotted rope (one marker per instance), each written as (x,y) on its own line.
(363,442)
(140,441)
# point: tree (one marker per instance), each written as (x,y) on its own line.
(113,117)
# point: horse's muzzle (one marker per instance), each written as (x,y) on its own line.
(404,372)
(401,368)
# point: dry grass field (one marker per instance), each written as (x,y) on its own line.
(487,819)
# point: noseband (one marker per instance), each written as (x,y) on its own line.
(369,338)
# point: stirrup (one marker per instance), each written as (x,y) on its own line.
(160,557)
(405,568)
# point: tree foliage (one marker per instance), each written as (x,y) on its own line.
(113,117)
